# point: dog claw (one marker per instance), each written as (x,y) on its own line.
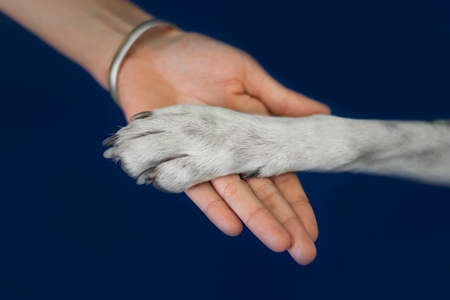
(110,141)
(250,174)
(141,115)
(146,177)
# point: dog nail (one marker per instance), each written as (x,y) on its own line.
(250,174)
(141,115)
(146,177)
(110,141)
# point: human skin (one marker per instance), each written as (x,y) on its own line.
(168,67)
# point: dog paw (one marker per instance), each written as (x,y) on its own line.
(177,147)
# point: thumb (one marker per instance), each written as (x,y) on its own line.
(277,98)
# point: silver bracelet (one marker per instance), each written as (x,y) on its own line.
(123,50)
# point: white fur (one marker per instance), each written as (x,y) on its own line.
(180,146)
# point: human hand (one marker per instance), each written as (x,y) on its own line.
(172,67)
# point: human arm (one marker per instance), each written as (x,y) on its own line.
(87,31)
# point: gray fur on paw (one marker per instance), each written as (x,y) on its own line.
(177,147)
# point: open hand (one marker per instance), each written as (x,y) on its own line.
(172,67)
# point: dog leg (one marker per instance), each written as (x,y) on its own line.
(180,146)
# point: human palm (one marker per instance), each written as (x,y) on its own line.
(173,67)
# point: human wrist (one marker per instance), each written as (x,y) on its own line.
(148,42)
(116,20)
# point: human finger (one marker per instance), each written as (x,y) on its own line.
(241,199)
(279,100)
(213,206)
(302,248)
(247,104)
(292,191)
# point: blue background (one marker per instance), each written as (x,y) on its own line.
(74,226)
